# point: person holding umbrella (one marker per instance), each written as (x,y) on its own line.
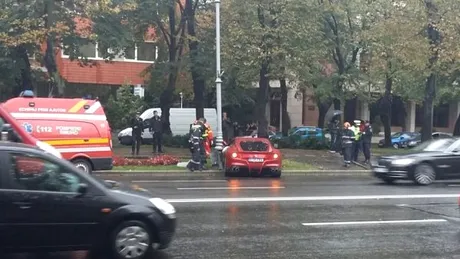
(332,118)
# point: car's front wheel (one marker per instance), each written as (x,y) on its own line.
(131,240)
(424,174)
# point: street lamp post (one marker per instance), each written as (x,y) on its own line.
(219,138)
(181,99)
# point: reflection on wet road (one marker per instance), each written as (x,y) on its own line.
(320,217)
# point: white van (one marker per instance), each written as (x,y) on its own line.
(180,120)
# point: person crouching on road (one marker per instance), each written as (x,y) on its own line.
(348,137)
(137,126)
(195,146)
(367,140)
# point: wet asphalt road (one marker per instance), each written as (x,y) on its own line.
(317,217)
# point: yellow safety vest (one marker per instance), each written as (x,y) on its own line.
(356,131)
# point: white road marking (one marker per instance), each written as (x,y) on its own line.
(313,198)
(178,181)
(453,185)
(231,188)
(376,222)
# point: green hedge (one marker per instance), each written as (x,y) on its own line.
(296,142)
(287,142)
(179,141)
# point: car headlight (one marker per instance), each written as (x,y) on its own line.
(164,207)
(275,156)
(405,161)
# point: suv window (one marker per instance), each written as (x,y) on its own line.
(34,173)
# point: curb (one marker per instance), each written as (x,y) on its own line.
(219,173)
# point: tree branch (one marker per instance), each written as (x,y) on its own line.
(261,16)
(165,33)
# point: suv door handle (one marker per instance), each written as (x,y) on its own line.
(23,205)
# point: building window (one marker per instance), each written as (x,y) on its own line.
(146,51)
(440,116)
(141,52)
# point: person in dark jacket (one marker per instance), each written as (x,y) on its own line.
(137,126)
(333,129)
(228,128)
(348,137)
(156,128)
(367,140)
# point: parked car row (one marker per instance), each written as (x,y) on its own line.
(411,139)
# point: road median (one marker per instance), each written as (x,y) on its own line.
(160,173)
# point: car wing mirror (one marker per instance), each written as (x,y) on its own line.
(82,189)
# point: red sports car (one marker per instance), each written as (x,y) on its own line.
(256,156)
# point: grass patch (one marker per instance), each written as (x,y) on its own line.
(294,165)
(156,168)
(287,165)
(391,151)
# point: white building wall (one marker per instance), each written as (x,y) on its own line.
(294,108)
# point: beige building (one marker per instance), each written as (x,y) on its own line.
(303,110)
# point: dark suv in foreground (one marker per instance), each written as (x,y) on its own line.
(48,205)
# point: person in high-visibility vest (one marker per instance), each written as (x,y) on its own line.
(358,142)
(209,139)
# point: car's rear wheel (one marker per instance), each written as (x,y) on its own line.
(424,174)
(131,240)
(83,165)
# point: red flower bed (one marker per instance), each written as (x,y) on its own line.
(152,161)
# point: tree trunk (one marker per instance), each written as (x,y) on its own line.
(430,92)
(262,99)
(166,101)
(385,114)
(323,108)
(26,71)
(286,121)
(56,82)
(457,127)
(337,104)
(430,85)
(175,48)
(196,67)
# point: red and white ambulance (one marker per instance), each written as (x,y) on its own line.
(77,128)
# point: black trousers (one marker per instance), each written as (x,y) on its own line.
(202,153)
(333,141)
(195,162)
(358,146)
(157,142)
(347,153)
(367,150)
(136,145)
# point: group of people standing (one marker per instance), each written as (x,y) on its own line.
(351,140)
(155,126)
(201,142)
